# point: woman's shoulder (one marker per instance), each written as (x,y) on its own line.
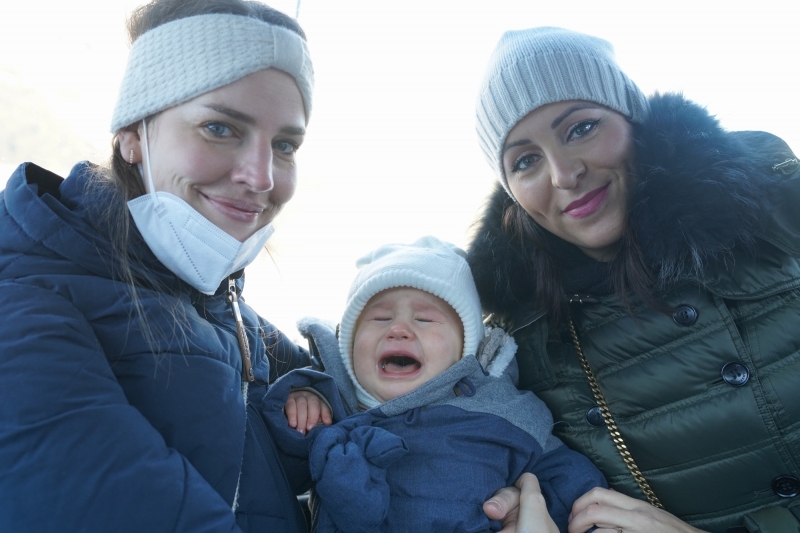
(701,191)
(707,198)
(37,197)
(781,221)
(44,216)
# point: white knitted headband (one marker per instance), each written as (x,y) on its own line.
(185,58)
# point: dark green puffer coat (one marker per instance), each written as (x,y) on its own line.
(707,395)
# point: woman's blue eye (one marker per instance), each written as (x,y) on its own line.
(286,147)
(582,128)
(523,163)
(218,130)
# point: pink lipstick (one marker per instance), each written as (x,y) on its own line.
(588,203)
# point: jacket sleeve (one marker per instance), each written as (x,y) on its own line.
(564,475)
(74,454)
(292,444)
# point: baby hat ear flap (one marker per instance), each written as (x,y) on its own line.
(496,351)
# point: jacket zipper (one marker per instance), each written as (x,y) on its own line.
(244,345)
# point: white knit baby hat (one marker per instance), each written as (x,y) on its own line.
(185,58)
(539,66)
(430,265)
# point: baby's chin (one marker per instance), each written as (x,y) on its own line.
(396,390)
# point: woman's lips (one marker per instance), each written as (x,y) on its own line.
(237,210)
(588,203)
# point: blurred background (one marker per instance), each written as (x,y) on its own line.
(391,152)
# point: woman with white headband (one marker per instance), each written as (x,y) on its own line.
(647,262)
(131,372)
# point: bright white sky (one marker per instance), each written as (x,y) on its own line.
(391,152)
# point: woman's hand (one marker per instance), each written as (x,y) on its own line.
(521,508)
(304,409)
(613,512)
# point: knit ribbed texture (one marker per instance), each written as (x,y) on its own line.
(539,66)
(430,265)
(185,58)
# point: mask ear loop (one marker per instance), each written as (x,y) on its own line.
(152,189)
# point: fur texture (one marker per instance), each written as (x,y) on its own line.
(700,191)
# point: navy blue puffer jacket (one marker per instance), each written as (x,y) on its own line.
(106,425)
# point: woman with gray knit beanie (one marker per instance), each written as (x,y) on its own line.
(131,370)
(647,262)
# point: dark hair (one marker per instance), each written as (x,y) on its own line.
(629,271)
(120,181)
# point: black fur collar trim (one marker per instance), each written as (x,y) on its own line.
(700,191)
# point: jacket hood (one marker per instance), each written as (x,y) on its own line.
(700,191)
(51,219)
(68,219)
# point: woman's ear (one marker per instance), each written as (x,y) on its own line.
(130,145)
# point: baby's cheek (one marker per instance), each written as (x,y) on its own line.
(360,362)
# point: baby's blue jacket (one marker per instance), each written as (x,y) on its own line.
(427,460)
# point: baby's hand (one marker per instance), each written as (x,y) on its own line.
(305,409)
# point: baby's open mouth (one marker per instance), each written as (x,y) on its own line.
(399,364)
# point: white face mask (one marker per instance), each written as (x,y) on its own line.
(186,242)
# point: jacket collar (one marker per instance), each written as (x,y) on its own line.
(700,192)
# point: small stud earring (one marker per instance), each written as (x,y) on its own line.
(130,158)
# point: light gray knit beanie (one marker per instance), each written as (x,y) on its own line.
(185,58)
(430,265)
(538,66)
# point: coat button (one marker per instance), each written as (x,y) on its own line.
(786,486)
(735,374)
(684,315)
(595,416)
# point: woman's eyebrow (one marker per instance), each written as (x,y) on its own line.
(293,130)
(577,107)
(520,142)
(234,114)
(558,120)
(248,119)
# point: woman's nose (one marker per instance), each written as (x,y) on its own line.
(256,168)
(566,172)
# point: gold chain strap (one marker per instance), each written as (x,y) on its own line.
(611,425)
